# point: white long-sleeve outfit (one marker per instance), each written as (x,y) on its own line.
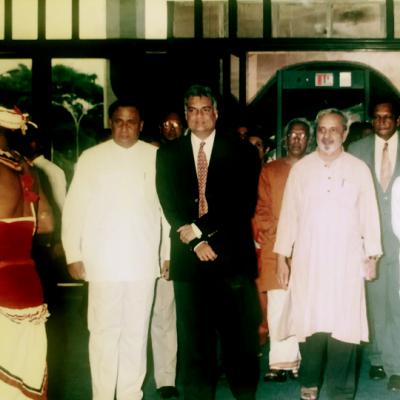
(329,224)
(111,222)
(163,324)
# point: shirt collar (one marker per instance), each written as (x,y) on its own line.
(122,149)
(208,140)
(393,139)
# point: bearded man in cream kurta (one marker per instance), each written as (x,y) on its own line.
(111,236)
(329,227)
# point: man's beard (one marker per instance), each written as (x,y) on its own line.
(329,148)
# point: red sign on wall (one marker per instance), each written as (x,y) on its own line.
(323,79)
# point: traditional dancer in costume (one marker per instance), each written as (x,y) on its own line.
(23,373)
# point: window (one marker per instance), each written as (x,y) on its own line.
(329,18)
(156,19)
(1,19)
(396,5)
(235,66)
(181,18)
(26,27)
(215,18)
(77,108)
(93,15)
(250,18)
(16,84)
(59,19)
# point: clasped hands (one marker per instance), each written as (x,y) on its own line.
(203,250)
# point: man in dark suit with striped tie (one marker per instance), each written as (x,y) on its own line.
(207,185)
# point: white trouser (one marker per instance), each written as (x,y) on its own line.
(283,354)
(118,320)
(163,334)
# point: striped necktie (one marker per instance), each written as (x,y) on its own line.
(202,169)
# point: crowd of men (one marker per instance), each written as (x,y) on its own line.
(165,234)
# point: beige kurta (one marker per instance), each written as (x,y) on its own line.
(330,219)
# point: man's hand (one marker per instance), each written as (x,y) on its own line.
(186,233)
(77,270)
(282,271)
(370,266)
(205,252)
(165,270)
(260,237)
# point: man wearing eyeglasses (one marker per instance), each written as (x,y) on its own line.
(284,355)
(171,127)
(207,185)
(163,320)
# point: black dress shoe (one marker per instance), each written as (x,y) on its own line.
(394,383)
(168,392)
(275,375)
(376,372)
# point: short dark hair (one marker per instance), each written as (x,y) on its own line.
(123,103)
(199,91)
(394,103)
(166,114)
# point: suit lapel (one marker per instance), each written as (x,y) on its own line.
(370,155)
(216,155)
(188,164)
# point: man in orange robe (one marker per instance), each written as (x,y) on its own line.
(283,354)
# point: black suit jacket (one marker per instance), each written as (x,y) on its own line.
(231,194)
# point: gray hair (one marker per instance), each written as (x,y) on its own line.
(199,91)
(334,111)
(301,121)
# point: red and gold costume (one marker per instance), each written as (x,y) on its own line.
(23,373)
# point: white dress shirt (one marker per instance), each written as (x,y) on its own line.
(112,216)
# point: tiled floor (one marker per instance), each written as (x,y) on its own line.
(69,376)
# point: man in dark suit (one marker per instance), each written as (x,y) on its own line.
(207,185)
(381,152)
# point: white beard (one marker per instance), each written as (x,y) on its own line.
(329,149)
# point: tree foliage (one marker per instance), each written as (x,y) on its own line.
(67,80)
(16,88)
(67,85)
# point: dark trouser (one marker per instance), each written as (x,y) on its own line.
(212,310)
(384,317)
(56,327)
(340,358)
